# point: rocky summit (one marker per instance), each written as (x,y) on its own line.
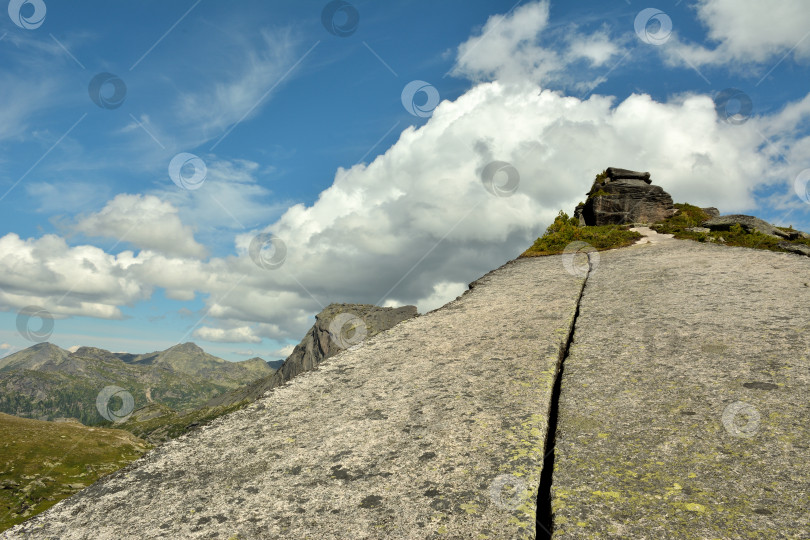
(621,196)
(653,391)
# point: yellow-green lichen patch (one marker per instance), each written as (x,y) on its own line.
(607,494)
(515,521)
(470,508)
(675,489)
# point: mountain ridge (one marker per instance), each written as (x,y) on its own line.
(45,381)
(337,327)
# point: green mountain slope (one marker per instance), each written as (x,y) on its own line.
(47,382)
(42,463)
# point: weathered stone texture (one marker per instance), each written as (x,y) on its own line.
(684,404)
(317,346)
(420,432)
(749,223)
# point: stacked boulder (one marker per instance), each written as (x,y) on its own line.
(621,196)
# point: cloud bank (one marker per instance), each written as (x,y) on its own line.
(417,223)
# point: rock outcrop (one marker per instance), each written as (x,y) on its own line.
(749,223)
(800,249)
(614,173)
(337,327)
(621,196)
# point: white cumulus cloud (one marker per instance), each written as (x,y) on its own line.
(64,280)
(145,221)
(747,31)
(510,48)
(242,334)
(417,223)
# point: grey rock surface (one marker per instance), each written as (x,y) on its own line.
(432,429)
(683,413)
(711,211)
(580,208)
(749,223)
(801,249)
(684,409)
(318,345)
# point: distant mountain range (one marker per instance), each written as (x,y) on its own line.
(47,382)
(171,391)
(337,327)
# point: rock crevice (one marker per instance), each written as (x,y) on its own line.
(545,516)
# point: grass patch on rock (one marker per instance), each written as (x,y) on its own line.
(687,216)
(565,230)
(690,216)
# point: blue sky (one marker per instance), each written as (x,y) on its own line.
(298,118)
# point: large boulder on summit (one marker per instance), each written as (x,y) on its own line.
(621,196)
(614,173)
(749,223)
